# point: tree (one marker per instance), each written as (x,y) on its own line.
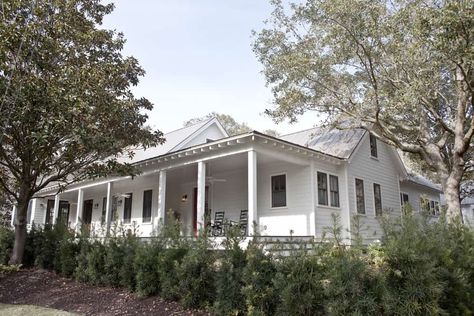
(229,123)
(67,111)
(403,70)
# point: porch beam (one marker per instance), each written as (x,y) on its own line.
(55,208)
(252,190)
(161,214)
(80,202)
(201,194)
(108,207)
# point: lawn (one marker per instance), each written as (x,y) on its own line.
(24,310)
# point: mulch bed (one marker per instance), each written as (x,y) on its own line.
(44,288)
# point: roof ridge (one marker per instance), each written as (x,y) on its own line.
(200,122)
(303,130)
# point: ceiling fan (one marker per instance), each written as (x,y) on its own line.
(212,179)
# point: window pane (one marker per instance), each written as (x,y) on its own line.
(104,210)
(147,197)
(373,146)
(334,187)
(377,199)
(322,188)
(279,190)
(360,196)
(127,209)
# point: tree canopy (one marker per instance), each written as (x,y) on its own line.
(229,123)
(67,110)
(401,69)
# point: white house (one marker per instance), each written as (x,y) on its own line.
(288,185)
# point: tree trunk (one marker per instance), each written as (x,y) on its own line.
(20,233)
(453,199)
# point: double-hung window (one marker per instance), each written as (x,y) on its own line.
(323,197)
(147,197)
(377,199)
(373,146)
(279,190)
(360,196)
(127,208)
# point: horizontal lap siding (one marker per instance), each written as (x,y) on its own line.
(415,192)
(382,171)
(298,215)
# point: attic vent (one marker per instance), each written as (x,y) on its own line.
(208,140)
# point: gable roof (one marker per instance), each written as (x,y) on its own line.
(334,142)
(174,140)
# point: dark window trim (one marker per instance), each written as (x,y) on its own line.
(378,207)
(360,201)
(148,210)
(273,192)
(324,189)
(334,193)
(127,219)
(373,146)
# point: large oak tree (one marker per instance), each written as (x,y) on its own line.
(66,108)
(402,69)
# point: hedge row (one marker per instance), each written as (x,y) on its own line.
(420,268)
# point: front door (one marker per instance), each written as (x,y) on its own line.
(206,209)
(87,212)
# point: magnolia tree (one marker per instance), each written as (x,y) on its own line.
(402,70)
(66,108)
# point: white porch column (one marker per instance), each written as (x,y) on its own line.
(80,202)
(252,190)
(55,209)
(161,214)
(108,207)
(13,216)
(201,194)
(312,220)
(34,202)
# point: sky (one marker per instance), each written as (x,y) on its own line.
(198,59)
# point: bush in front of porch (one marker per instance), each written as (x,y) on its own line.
(421,267)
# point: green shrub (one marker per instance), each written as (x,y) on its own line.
(91,266)
(80,273)
(258,275)
(196,276)
(299,281)
(66,258)
(353,286)
(127,272)
(113,261)
(229,296)
(146,268)
(46,244)
(7,237)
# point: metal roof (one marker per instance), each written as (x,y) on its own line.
(419,179)
(334,142)
(173,142)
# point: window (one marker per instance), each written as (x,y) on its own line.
(104,210)
(63,212)
(279,191)
(49,212)
(403,199)
(127,208)
(322,189)
(360,199)
(377,199)
(334,189)
(434,208)
(373,146)
(147,197)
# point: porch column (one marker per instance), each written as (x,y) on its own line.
(252,190)
(161,214)
(108,207)
(13,215)
(80,202)
(201,194)
(34,202)
(56,209)
(312,220)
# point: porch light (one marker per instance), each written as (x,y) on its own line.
(184,198)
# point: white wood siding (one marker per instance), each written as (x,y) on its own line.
(381,170)
(415,192)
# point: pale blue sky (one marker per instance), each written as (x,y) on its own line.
(198,59)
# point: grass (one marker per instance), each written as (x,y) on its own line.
(24,310)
